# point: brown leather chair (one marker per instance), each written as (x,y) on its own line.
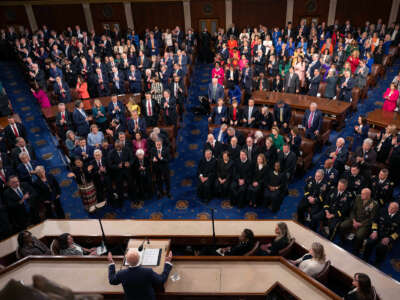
(252,251)
(323,275)
(393,51)
(285,251)
(355,96)
(321,88)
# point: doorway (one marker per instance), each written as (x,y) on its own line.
(210,24)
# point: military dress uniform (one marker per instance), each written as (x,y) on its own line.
(382,190)
(312,189)
(387,227)
(331,177)
(337,204)
(363,212)
(355,183)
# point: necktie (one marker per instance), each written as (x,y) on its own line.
(220,135)
(249,153)
(281,114)
(99,163)
(63,116)
(234,114)
(159,152)
(2,176)
(119,154)
(214,92)
(149,112)
(310,119)
(19,193)
(29,167)
(166,109)
(15,130)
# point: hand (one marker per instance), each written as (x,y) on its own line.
(168,258)
(385,241)
(311,200)
(26,196)
(241,181)
(71,175)
(126,164)
(316,132)
(374,235)
(90,168)
(120,165)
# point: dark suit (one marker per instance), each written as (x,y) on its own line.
(314,85)
(224,135)
(346,91)
(282,115)
(24,174)
(82,126)
(330,89)
(138,281)
(219,93)
(63,128)
(118,85)
(150,113)
(161,168)
(103,88)
(48,191)
(89,151)
(140,126)
(102,180)
(115,113)
(134,85)
(288,164)
(11,137)
(216,117)
(239,115)
(254,114)
(65,96)
(207,169)
(312,124)
(170,116)
(341,157)
(292,83)
(277,86)
(16,151)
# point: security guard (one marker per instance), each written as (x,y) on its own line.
(337,204)
(312,200)
(382,188)
(385,231)
(361,217)
(356,182)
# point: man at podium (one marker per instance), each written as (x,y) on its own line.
(137,281)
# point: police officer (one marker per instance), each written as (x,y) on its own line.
(382,187)
(312,200)
(385,231)
(356,182)
(337,204)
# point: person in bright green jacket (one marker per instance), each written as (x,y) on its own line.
(277,138)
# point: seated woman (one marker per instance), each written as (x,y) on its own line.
(391,96)
(41,96)
(68,247)
(280,242)
(312,262)
(29,245)
(246,244)
(363,288)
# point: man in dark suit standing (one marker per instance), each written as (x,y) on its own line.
(282,114)
(233,31)
(206,172)
(80,119)
(177,91)
(219,113)
(160,157)
(134,78)
(137,281)
(21,147)
(150,110)
(168,105)
(346,87)
(61,90)
(63,121)
(116,109)
(101,81)
(292,82)
(26,169)
(13,130)
(117,78)
(312,121)
(215,91)
(247,82)
(288,160)
(251,115)
(314,83)
(136,124)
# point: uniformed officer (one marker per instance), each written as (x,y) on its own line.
(361,217)
(355,181)
(337,205)
(331,176)
(312,200)
(385,231)
(382,188)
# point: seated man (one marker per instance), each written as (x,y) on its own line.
(61,90)
(312,121)
(382,187)
(206,173)
(365,157)
(245,245)
(313,196)
(385,232)
(331,174)
(360,221)
(339,154)
(221,134)
(356,182)
(219,113)
(336,207)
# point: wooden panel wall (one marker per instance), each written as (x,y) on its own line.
(108,13)
(310,8)
(13,15)
(359,11)
(59,17)
(207,9)
(161,14)
(256,12)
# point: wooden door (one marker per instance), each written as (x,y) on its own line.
(210,24)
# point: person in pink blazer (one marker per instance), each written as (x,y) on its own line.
(41,96)
(218,73)
(139,143)
(391,95)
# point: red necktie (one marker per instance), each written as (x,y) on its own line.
(234,114)
(2,176)
(149,112)
(63,116)
(15,130)
(310,119)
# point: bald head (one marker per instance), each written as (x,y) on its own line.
(132,257)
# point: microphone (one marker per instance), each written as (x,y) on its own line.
(140,249)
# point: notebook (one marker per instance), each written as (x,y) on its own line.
(148,257)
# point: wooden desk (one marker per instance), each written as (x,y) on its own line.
(164,244)
(198,276)
(380,118)
(302,102)
(386,286)
(50,113)
(4,120)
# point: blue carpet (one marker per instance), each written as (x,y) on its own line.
(191,137)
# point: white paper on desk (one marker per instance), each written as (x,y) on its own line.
(148,256)
(219,251)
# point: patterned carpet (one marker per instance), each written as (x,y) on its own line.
(191,137)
